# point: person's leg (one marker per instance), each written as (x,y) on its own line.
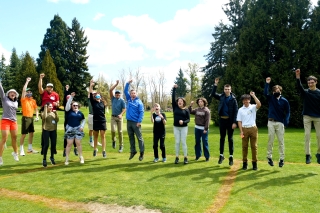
(184,134)
(120,133)
(14,134)
(4,138)
(30,130)
(279,130)
(130,130)
(95,139)
(45,145)
(205,145)
(223,132)
(162,146)
(23,136)
(68,148)
(53,139)
(254,143)
(271,134)
(113,129)
(316,123)
(307,131)
(230,137)
(155,145)
(197,146)
(103,141)
(79,146)
(177,137)
(245,145)
(137,132)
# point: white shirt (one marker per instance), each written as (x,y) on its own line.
(247,115)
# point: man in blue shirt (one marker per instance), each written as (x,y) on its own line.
(118,109)
(278,118)
(134,115)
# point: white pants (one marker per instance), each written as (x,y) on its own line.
(275,128)
(180,135)
(307,120)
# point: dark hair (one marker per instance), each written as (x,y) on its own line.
(204,101)
(48,103)
(184,101)
(245,97)
(227,85)
(275,87)
(311,77)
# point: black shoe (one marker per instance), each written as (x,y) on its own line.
(270,162)
(44,163)
(197,158)
(104,154)
(132,154)
(308,159)
(207,159)
(177,160)
(52,161)
(254,166)
(230,161)
(94,153)
(221,158)
(245,166)
(120,149)
(64,153)
(141,156)
(281,163)
(185,160)
(75,150)
(113,144)
(318,158)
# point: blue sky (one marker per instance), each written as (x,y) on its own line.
(150,35)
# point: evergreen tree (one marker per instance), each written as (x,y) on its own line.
(194,80)
(77,72)
(12,72)
(49,69)
(28,69)
(56,40)
(3,67)
(181,81)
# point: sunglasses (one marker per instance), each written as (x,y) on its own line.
(75,105)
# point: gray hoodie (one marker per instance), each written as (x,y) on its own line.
(9,107)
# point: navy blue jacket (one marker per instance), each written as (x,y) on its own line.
(279,109)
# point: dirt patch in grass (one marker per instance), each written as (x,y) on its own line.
(64,205)
(225,189)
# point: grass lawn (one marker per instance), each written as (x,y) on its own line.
(197,187)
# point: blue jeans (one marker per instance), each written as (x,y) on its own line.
(198,133)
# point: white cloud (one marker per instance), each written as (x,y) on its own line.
(98,16)
(80,1)
(107,47)
(188,31)
(6,54)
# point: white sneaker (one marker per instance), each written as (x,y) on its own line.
(15,156)
(22,152)
(99,144)
(91,144)
(67,162)
(1,161)
(32,151)
(81,159)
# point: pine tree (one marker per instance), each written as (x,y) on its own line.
(77,71)
(3,67)
(181,81)
(12,72)
(49,69)
(56,40)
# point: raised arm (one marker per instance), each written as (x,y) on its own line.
(173,95)
(40,83)
(258,103)
(68,104)
(266,87)
(126,89)
(1,91)
(192,111)
(300,87)
(112,88)
(25,87)
(214,89)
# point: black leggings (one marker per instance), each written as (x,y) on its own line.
(46,135)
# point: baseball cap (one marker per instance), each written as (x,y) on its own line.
(28,89)
(117,92)
(49,85)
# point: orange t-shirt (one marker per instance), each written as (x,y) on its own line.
(28,106)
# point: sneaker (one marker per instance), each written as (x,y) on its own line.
(99,144)
(64,153)
(67,161)
(113,144)
(141,156)
(164,160)
(1,161)
(254,166)
(221,158)
(281,163)
(245,166)
(81,160)
(230,161)
(75,150)
(318,158)
(94,153)
(197,158)
(156,160)
(15,156)
(132,154)
(177,160)
(91,144)
(207,159)
(104,154)
(120,149)
(52,161)
(44,163)
(270,161)
(32,151)
(185,160)
(308,159)
(22,152)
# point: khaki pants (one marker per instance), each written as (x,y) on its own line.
(117,123)
(275,128)
(252,135)
(307,120)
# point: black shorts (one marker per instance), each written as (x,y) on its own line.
(27,125)
(99,125)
